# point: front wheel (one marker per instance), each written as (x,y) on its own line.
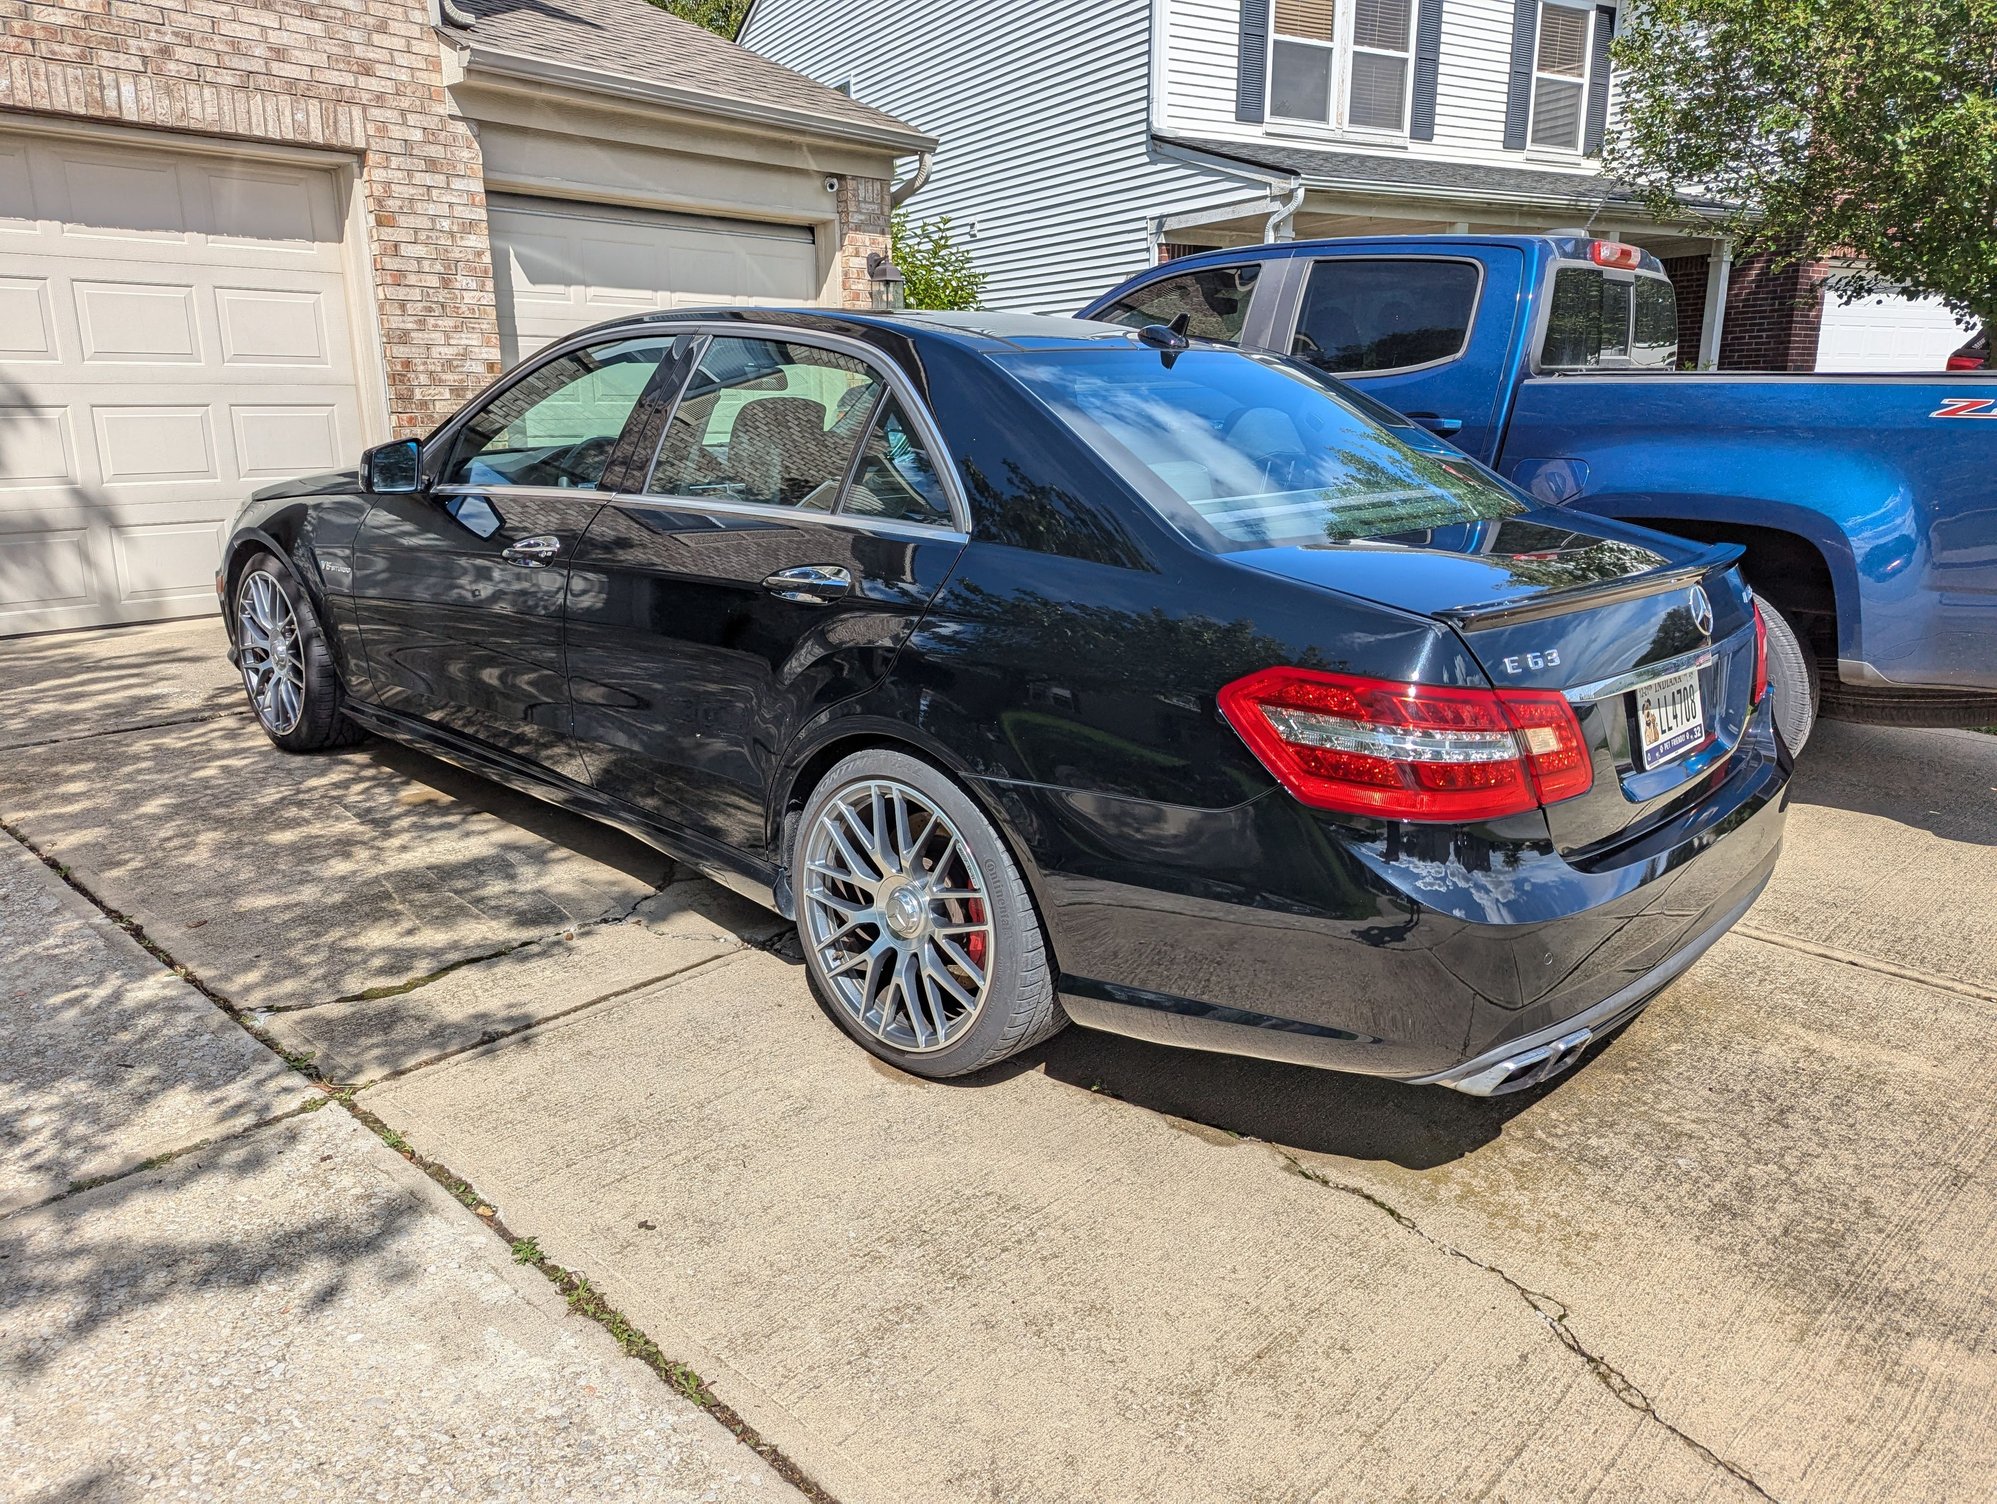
(287,667)
(919,933)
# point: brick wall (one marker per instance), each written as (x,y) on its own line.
(358,76)
(1688,280)
(863,228)
(1773,316)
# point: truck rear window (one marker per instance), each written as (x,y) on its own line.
(1603,320)
(1242,451)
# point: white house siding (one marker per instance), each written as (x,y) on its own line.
(1203,38)
(1043,110)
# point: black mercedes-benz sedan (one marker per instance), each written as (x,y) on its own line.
(1046,670)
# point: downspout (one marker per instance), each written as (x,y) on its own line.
(448,12)
(907,189)
(1282,224)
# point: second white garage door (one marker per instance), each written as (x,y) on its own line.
(1888,331)
(559,265)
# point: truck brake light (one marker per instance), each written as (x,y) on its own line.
(1615,253)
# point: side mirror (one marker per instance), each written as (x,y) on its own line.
(387,469)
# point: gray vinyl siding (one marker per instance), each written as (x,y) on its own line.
(1043,111)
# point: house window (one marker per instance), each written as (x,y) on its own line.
(1560,77)
(1382,33)
(1341,62)
(1302,58)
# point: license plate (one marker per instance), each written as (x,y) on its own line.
(1670,719)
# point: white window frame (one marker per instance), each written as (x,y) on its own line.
(1586,80)
(1342,48)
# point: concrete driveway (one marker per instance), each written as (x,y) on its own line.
(1743,1252)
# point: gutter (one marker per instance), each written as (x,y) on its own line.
(787,120)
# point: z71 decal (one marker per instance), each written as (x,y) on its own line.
(1966,407)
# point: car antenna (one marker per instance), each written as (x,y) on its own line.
(1171,338)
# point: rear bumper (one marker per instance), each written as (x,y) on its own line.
(1541,1056)
(1428,955)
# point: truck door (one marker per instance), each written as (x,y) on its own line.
(1431,335)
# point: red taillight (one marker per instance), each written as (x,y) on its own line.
(1760,655)
(1409,751)
(1964,363)
(1615,253)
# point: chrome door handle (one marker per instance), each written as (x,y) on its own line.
(534,553)
(815,584)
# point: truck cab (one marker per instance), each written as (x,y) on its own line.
(1866,505)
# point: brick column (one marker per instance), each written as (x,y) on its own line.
(863,228)
(1773,316)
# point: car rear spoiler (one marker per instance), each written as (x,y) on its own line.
(1584,597)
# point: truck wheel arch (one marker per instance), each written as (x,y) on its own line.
(1788,569)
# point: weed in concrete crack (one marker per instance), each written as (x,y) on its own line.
(526,1251)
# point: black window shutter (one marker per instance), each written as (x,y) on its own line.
(1518,100)
(1251,86)
(1428,68)
(1598,84)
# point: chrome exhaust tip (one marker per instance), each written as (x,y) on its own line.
(1527,1068)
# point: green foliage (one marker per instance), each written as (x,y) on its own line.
(1861,128)
(722,16)
(938,271)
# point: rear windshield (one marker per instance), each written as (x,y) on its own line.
(1242,451)
(1601,320)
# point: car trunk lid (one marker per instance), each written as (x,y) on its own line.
(1650,639)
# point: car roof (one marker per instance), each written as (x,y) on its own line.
(994,332)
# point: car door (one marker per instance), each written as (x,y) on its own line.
(458,587)
(1419,333)
(798,517)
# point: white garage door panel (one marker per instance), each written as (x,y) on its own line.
(1887,332)
(561,266)
(174,332)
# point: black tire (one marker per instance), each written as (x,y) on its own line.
(318,722)
(1018,1007)
(1792,678)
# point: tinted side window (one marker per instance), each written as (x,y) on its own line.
(1366,315)
(896,478)
(557,425)
(766,421)
(1215,302)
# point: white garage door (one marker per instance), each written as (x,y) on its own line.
(560,265)
(174,333)
(1887,332)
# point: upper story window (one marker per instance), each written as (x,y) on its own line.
(1342,62)
(1560,76)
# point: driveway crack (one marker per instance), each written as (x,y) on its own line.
(1553,1312)
(84,736)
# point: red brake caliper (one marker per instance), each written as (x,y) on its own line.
(974,947)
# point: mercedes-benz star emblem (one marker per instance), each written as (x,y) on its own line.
(1702,610)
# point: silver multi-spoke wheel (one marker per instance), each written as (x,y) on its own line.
(896,915)
(271,652)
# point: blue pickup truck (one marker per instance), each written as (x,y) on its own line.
(1866,505)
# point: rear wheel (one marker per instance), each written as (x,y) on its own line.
(919,933)
(287,668)
(1792,678)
